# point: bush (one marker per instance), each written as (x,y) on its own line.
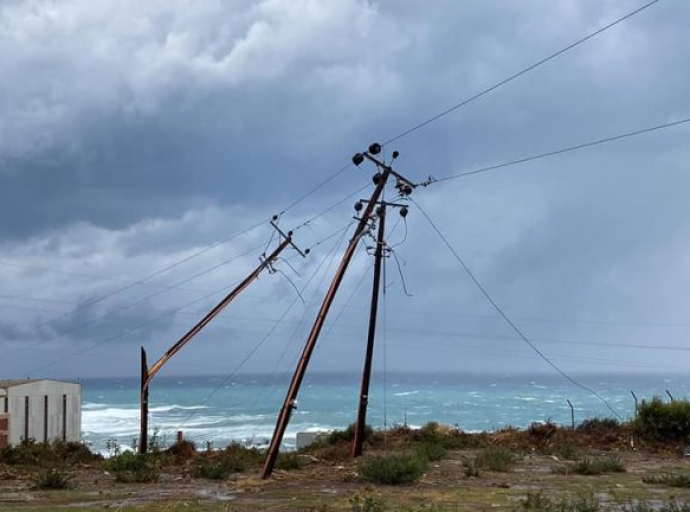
(658,420)
(495,459)
(347,435)
(31,453)
(599,425)
(288,461)
(431,450)
(53,479)
(235,458)
(393,469)
(592,467)
(669,480)
(183,450)
(129,467)
(542,431)
(214,470)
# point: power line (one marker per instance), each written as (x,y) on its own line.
(521,72)
(129,305)
(316,188)
(560,151)
(505,317)
(132,284)
(267,336)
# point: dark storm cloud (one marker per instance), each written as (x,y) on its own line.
(132,134)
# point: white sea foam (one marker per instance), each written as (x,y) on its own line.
(406,393)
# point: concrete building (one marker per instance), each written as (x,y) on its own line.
(39,409)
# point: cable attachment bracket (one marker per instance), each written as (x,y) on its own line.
(288,237)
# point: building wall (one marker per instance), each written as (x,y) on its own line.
(36,392)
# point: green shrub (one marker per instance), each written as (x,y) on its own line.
(659,420)
(431,450)
(235,458)
(288,461)
(130,467)
(393,469)
(592,467)
(495,459)
(31,453)
(53,479)
(598,425)
(347,435)
(669,480)
(213,470)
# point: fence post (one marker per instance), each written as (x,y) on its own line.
(636,402)
(572,413)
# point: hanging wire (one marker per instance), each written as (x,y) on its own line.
(507,319)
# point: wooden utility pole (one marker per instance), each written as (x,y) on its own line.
(380,179)
(360,425)
(147,374)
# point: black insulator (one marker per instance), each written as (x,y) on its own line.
(307,251)
(357,159)
(358,206)
(380,211)
(408,190)
(377,178)
(289,233)
(375,148)
(275,218)
(396,154)
(404,211)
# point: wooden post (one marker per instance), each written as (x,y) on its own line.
(144,397)
(360,425)
(148,374)
(293,390)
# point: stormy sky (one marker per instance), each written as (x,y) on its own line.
(137,135)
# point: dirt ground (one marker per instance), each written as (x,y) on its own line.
(322,486)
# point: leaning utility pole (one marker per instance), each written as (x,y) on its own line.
(147,374)
(360,425)
(380,179)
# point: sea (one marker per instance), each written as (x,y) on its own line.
(215,411)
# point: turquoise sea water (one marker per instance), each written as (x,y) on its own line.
(245,409)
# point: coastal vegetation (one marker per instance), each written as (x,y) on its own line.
(601,465)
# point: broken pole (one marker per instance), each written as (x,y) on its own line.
(148,374)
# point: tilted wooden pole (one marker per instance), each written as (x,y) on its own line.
(291,397)
(360,425)
(148,374)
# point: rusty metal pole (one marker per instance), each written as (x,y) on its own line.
(293,390)
(360,425)
(148,374)
(144,396)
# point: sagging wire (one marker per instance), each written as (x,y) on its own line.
(506,318)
